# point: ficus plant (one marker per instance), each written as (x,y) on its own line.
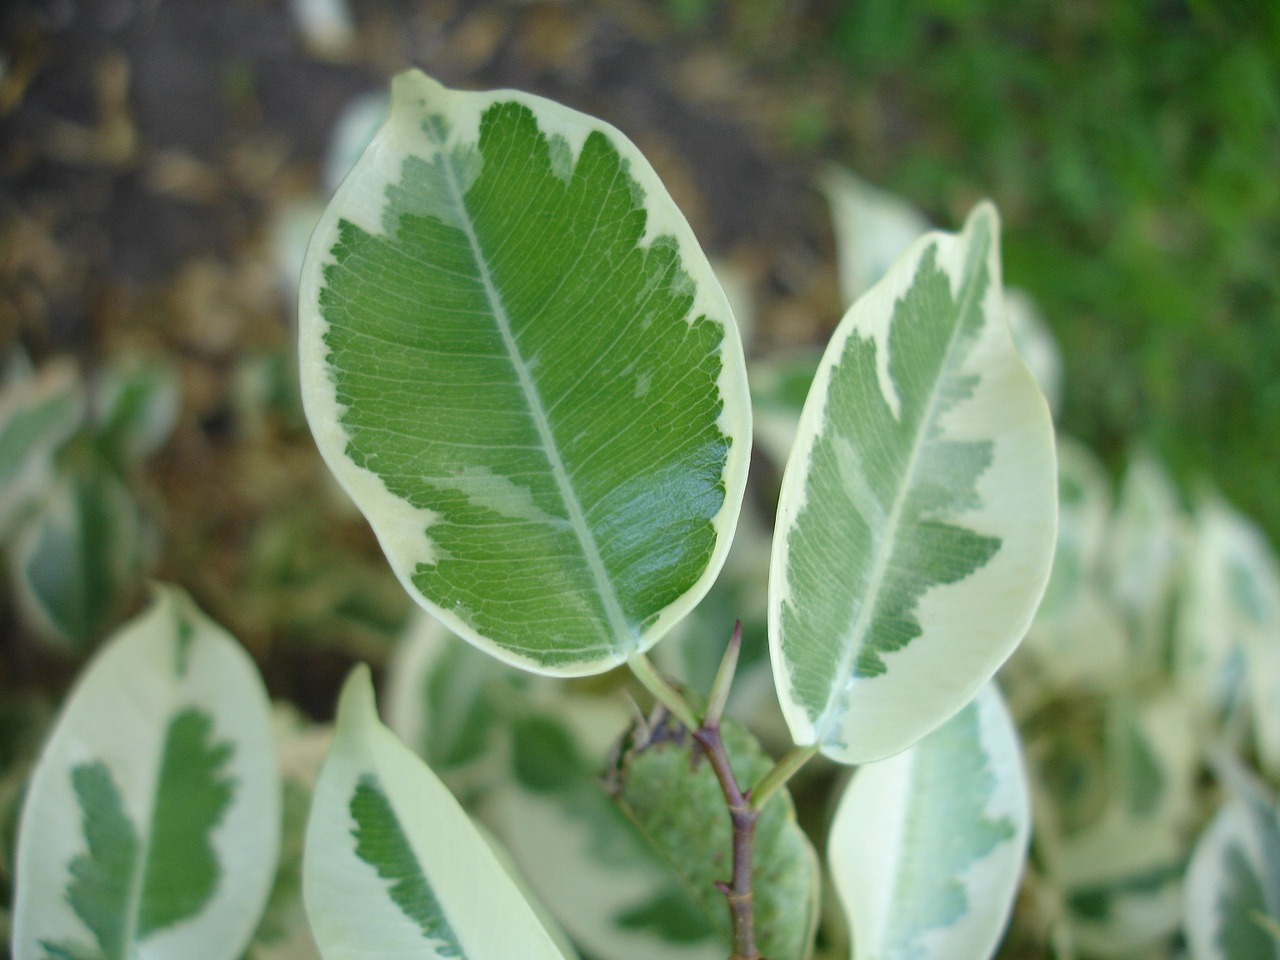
(1145,691)
(518,362)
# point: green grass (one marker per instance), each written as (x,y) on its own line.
(1133,148)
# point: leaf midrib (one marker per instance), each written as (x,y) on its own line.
(832,713)
(618,623)
(137,882)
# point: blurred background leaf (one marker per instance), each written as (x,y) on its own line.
(161,164)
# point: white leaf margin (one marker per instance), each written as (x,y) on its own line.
(979,620)
(349,905)
(872,228)
(1235,826)
(119,714)
(869,851)
(402,529)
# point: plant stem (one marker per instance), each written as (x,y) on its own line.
(658,685)
(724,679)
(743,816)
(782,771)
(744,807)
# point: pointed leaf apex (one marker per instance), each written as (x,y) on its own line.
(356,702)
(724,678)
(986,213)
(412,86)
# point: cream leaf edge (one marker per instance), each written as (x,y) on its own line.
(349,905)
(888,717)
(870,824)
(361,200)
(118,714)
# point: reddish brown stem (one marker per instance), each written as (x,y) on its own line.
(743,817)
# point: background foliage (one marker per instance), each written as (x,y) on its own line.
(1126,145)
(153,156)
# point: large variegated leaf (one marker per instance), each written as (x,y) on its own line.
(152,823)
(519,363)
(927,847)
(393,866)
(1232,896)
(917,519)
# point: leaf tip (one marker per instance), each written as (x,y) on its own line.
(356,701)
(983,217)
(412,90)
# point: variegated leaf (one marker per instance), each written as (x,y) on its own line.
(872,229)
(77,560)
(1078,638)
(917,519)
(393,866)
(1229,618)
(1232,899)
(152,824)
(1233,620)
(446,700)
(37,415)
(136,402)
(927,847)
(666,788)
(1114,785)
(1145,545)
(520,365)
